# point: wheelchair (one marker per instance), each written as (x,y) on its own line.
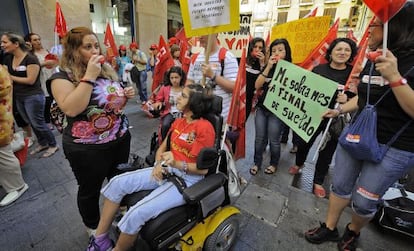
(207,221)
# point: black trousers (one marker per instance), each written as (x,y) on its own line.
(324,156)
(90,167)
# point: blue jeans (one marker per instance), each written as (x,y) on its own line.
(142,86)
(366,182)
(164,196)
(268,129)
(31,109)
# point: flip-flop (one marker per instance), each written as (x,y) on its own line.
(319,191)
(295,169)
(50,151)
(38,149)
(270,169)
(253,170)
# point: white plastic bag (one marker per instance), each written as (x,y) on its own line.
(233,176)
(17,143)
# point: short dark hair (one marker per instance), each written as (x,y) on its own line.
(351,43)
(283,41)
(179,71)
(200,100)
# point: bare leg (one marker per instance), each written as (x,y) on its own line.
(125,242)
(336,206)
(358,223)
(107,216)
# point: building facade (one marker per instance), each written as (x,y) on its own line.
(267,13)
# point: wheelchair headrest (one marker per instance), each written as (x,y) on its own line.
(217,105)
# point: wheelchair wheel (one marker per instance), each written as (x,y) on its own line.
(224,236)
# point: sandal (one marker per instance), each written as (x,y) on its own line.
(253,170)
(50,151)
(295,169)
(270,169)
(294,149)
(38,149)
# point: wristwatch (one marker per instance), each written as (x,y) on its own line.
(400,82)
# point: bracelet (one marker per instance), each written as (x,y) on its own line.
(92,83)
(185,166)
(214,78)
(264,75)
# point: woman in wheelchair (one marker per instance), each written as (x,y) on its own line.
(188,135)
(166,99)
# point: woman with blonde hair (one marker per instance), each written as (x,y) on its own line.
(95,131)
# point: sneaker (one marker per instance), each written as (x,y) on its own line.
(90,231)
(349,240)
(100,243)
(13,196)
(322,234)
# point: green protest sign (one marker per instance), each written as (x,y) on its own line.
(299,97)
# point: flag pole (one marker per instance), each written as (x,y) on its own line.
(207,55)
(325,132)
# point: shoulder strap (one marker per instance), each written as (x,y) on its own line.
(222,56)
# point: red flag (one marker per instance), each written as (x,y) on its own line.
(185,58)
(237,114)
(351,36)
(311,13)
(60,24)
(109,41)
(180,35)
(317,56)
(163,64)
(353,79)
(267,40)
(385,10)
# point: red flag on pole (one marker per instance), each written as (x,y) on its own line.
(351,36)
(185,58)
(311,13)
(317,56)
(60,22)
(180,35)
(237,114)
(267,41)
(109,41)
(353,79)
(163,64)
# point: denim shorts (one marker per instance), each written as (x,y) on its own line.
(366,182)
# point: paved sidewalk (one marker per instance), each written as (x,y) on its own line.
(274,213)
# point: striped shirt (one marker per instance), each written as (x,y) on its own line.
(230,72)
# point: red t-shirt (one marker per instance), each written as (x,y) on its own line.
(187,139)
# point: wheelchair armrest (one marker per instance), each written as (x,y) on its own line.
(204,187)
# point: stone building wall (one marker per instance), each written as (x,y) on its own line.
(41,17)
